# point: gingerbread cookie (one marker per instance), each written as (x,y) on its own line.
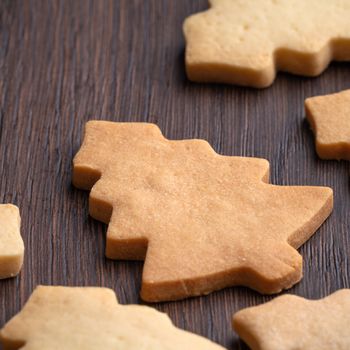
(11,243)
(72,318)
(294,323)
(329,117)
(245,42)
(201,221)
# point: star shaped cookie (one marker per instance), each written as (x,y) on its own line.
(200,220)
(329,117)
(245,42)
(11,243)
(72,318)
(293,323)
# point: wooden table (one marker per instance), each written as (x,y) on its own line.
(65,62)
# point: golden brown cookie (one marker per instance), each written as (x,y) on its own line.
(11,243)
(329,117)
(200,220)
(245,42)
(73,318)
(294,323)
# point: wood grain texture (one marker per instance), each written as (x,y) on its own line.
(65,62)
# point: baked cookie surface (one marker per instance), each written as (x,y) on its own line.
(11,243)
(72,318)
(290,322)
(246,42)
(329,117)
(200,220)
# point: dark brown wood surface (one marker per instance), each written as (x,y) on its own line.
(65,62)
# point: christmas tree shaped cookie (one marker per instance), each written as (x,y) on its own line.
(200,220)
(11,243)
(294,323)
(90,318)
(246,41)
(329,117)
